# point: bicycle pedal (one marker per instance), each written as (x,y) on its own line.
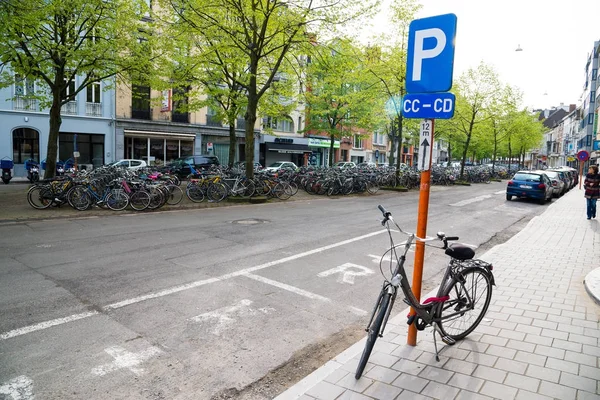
(448,340)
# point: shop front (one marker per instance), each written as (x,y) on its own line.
(284,149)
(158,148)
(320,149)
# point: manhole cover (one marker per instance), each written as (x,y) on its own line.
(250,221)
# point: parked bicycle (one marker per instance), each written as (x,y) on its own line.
(461,302)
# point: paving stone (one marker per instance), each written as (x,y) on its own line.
(546,341)
(481,359)
(383,359)
(523,346)
(534,330)
(408,366)
(440,391)
(525,395)
(557,391)
(553,333)
(501,351)
(408,395)
(530,358)
(466,382)
(350,395)
(545,374)
(571,329)
(549,351)
(379,390)
(566,345)
(589,372)
(511,334)
(578,382)
(407,352)
(581,395)
(498,391)
(336,375)
(436,374)
(522,382)
(499,341)
(325,391)
(466,395)
(491,374)
(511,365)
(382,374)
(562,365)
(593,341)
(349,382)
(410,382)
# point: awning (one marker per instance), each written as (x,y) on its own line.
(288,148)
(159,135)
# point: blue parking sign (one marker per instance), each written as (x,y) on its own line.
(430,56)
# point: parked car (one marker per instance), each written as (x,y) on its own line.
(241,165)
(558,184)
(531,185)
(130,164)
(281,165)
(344,165)
(571,173)
(182,167)
(367,165)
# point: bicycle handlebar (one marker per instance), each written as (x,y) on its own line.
(387,216)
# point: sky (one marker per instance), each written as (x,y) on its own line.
(556,38)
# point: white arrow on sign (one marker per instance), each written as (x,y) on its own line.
(425,142)
(19,388)
(348,272)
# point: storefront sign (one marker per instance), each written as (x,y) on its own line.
(323,143)
(284,140)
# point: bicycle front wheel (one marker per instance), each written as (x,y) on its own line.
(174,195)
(117,200)
(470,297)
(373,333)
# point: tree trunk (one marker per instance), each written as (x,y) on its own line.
(449,153)
(494,153)
(400,147)
(331,149)
(392,144)
(250,118)
(464,155)
(509,154)
(232,141)
(55,123)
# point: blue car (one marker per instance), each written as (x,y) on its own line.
(530,185)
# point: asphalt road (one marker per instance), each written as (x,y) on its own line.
(188,304)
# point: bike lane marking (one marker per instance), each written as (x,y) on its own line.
(19,388)
(180,288)
(224,316)
(125,359)
(347,272)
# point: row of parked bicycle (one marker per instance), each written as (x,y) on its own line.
(119,188)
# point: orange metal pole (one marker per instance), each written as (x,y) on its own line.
(421,232)
(580,173)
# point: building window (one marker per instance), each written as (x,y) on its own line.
(284,124)
(594,73)
(90,148)
(26,145)
(592,96)
(358,143)
(24,87)
(591,119)
(71,106)
(211,118)
(93,105)
(140,102)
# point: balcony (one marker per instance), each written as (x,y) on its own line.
(93,109)
(212,120)
(141,114)
(25,104)
(180,117)
(70,108)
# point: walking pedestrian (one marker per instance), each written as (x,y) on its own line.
(591,185)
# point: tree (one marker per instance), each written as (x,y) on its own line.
(54,41)
(341,97)
(477,90)
(390,69)
(262,33)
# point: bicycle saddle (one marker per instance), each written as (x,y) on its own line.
(460,252)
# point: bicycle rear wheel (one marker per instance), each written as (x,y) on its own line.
(175,195)
(373,333)
(139,200)
(117,200)
(470,297)
(40,196)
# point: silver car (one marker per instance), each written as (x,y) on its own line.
(558,185)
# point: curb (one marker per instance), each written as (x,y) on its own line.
(394,189)
(592,285)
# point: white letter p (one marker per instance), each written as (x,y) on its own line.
(420,54)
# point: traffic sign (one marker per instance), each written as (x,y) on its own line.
(583,155)
(430,62)
(428,105)
(425,143)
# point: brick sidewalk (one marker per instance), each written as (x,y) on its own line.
(539,339)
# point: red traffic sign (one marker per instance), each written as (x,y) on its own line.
(583,155)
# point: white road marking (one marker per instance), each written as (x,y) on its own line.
(500,192)
(44,325)
(125,359)
(287,287)
(358,311)
(180,288)
(473,200)
(224,316)
(385,260)
(346,273)
(19,388)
